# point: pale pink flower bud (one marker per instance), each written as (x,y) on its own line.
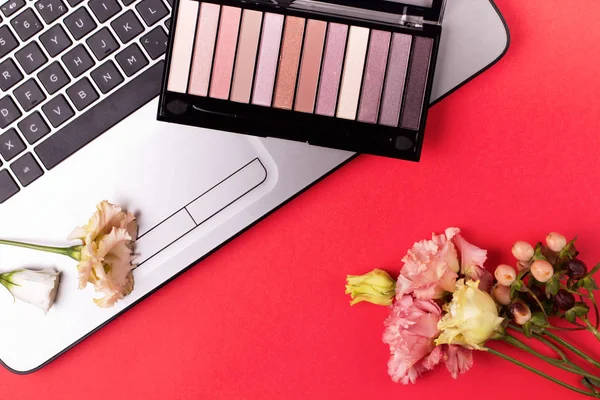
(555,241)
(505,274)
(501,294)
(523,251)
(520,312)
(542,270)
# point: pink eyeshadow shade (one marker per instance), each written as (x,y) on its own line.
(374,76)
(308,79)
(289,60)
(225,52)
(393,91)
(268,56)
(203,52)
(333,60)
(243,75)
(183,43)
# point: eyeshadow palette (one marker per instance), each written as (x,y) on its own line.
(330,73)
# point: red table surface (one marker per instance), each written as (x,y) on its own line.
(512,155)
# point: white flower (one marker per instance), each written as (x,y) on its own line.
(34,287)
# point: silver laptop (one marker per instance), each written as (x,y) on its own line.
(69,140)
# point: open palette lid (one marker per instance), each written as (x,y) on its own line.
(423,11)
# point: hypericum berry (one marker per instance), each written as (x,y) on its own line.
(542,270)
(520,312)
(505,274)
(523,251)
(501,294)
(564,300)
(523,265)
(576,269)
(555,241)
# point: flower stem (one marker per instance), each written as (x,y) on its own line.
(563,364)
(74,251)
(591,328)
(542,374)
(574,349)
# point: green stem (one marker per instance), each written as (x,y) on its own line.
(562,364)
(74,252)
(540,373)
(574,349)
(591,328)
(593,300)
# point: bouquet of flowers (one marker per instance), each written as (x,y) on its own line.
(445,305)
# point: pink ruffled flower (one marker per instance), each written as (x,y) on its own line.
(410,331)
(472,259)
(430,268)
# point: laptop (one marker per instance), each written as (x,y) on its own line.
(70,139)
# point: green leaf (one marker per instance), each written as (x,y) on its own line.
(528,329)
(580,309)
(588,283)
(515,288)
(552,286)
(539,319)
(570,316)
(594,270)
(569,250)
(539,252)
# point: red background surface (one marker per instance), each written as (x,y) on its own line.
(512,155)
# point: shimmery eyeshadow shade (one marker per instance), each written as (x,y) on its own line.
(288,62)
(267,59)
(358,40)
(394,80)
(225,52)
(308,79)
(333,59)
(374,75)
(204,48)
(183,44)
(246,56)
(417,80)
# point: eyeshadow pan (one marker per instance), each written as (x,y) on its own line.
(333,60)
(246,56)
(225,52)
(204,48)
(183,44)
(417,81)
(288,62)
(310,67)
(395,79)
(358,40)
(268,56)
(374,74)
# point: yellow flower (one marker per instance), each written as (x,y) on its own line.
(106,259)
(376,287)
(471,317)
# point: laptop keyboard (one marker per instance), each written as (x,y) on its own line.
(69,71)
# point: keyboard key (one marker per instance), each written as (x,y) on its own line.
(26,24)
(102,43)
(152,11)
(78,60)
(8,187)
(30,57)
(107,77)
(155,42)
(80,23)
(29,95)
(127,26)
(82,94)
(73,3)
(11,7)
(58,110)
(128,2)
(26,169)
(11,144)
(9,112)
(53,77)
(51,10)
(104,9)
(8,41)
(102,116)
(33,127)
(168,24)
(55,40)
(9,74)
(131,59)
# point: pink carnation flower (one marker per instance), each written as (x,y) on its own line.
(410,332)
(430,267)
(472,259)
